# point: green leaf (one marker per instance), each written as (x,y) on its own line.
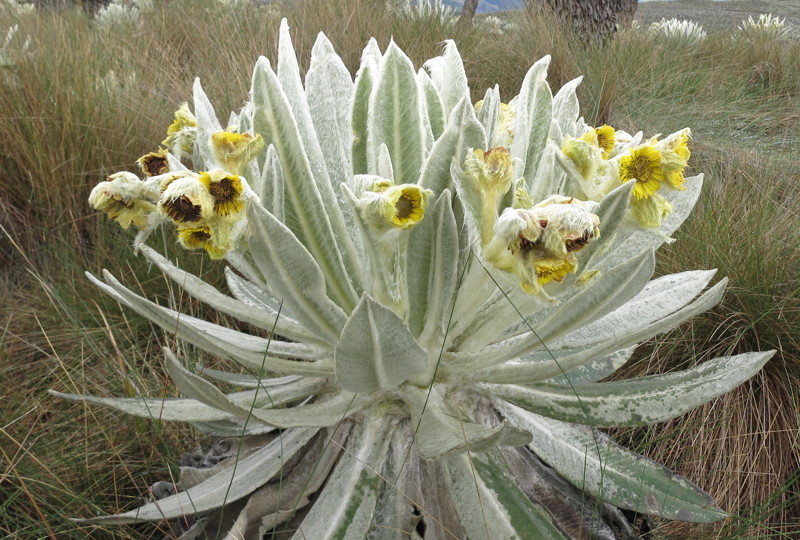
(329,88)
(490,504)
(594,370)
(192,410)
(248,350)
(254,295)
(638,401)
(359,112)
(199,289)
(489,114)
(566,108)
(376,350)
(462,133)
(433,267)
(395,116)
(660,298)
(447,72)
(532,123)
(200,389)
(207,125)
(434,110)
(228,486)
(443,431)
(326,411)
(542,365)
(344,509)
(591,461)
(311,212)
(291,269)
(271,184)
(603,294)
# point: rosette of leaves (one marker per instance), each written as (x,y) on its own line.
(397,383)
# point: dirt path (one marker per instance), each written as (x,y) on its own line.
(721,15)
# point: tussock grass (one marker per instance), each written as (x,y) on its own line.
(66,122)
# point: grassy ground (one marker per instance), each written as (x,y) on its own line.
(66,122)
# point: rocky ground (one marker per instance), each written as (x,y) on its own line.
(721,15)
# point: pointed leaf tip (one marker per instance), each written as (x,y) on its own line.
(376,350)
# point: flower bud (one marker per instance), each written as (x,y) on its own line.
(233,151)
(124,198)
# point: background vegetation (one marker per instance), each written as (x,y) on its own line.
(85,101)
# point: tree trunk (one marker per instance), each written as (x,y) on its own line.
(593,20)
(468,12)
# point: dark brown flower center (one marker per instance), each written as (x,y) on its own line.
(155,165)
(577,244)
(404,207)
(182,210)
(223,191)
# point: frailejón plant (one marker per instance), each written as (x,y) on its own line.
(436,289)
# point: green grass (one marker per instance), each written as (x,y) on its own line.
(61,132)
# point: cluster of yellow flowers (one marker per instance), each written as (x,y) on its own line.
(207,207)
(536,241)
(605,158)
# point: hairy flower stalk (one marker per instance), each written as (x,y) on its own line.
(444,291)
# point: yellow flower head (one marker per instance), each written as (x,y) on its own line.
(154,163)
(568,225)
(490,171)
(181,133)
(505,124)
(404,205)
(584,155)
(235,150)
(538,244)
(642,164)
(225,190)
(186,200)
(199,237)
(124,198)
(674,157)
(650,212)
(552,269)
(183,119)
(606,138)
(489,174)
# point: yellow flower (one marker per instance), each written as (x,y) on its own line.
(489,174)
(553,269)
(181,133)
(225,190)
(124,198)
(491,170)
(199,237)
(404,205)
(642,164)
(583,154)
(606,138)
(568,225)
(650,212)
(186,200)
(538,244)
(154,163)
(183,119)
(674,157)
(235,150)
